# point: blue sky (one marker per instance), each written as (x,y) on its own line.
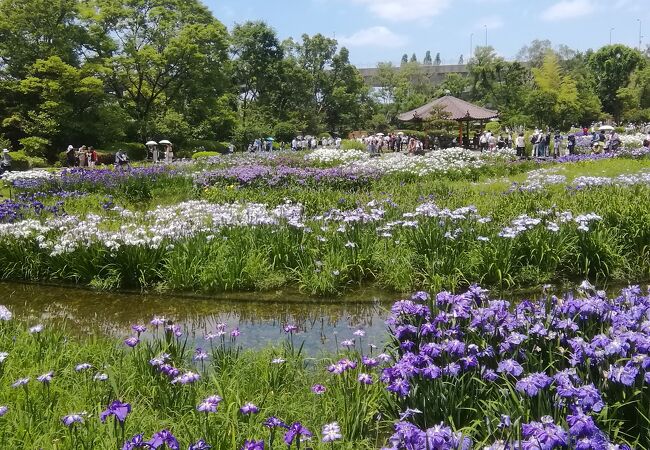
(383,30)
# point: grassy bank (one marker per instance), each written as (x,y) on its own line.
(266,226)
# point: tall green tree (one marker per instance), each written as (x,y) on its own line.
(485,69)
(37,29)
(159,55)
(437,61)
(557,94)
(258,57)
(405,59)
(612,67)
(427,61)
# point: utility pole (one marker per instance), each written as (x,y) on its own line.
(640,33)
(471,46)
(610,35)
(486,40)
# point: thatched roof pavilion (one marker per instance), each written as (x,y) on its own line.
(458,110)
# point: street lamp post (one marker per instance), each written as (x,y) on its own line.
(640,33)
(471,45)
(610,35)
(486,39)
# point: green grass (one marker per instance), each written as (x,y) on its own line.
(283,390)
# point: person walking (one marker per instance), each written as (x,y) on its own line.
(5,162)
(521,145)
(92,157)
(571,144)
(70,156)
(121,160)
(557,144)
(534,139)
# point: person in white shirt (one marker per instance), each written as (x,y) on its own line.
(520,143)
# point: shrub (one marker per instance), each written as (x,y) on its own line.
(35,146)
(352,145)
(21,161)
(206,146)
(198,155)
(493,127)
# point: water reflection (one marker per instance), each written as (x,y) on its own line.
(260,318)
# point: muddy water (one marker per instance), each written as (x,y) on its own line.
(260,318)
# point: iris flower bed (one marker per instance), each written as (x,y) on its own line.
(461,371)
(558,372)
(201,246)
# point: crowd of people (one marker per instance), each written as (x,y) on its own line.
(81,157)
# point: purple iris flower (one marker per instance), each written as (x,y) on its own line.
(544,434)
(83,366)
(3,410)
(118,409)
(489,375)
(71,419)
(139,328)
(200,355)
(511,367)
(318,389)
(295,431)
(200,445)
(364,378)
(533,383)
(253,445)
(187,378)
(20,382)
(369,362)
(290,328)
(625,375)
(131,341)
(274,422)
(581,425)
(136,441)
(210,404)
(164,437)
(249,408)
(400,386)
(589,399)
(46,378)
(505,422)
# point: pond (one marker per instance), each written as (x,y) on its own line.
(260,317)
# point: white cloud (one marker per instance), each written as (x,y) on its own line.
(568,9)
(404,10)
(491,22)
(374,37)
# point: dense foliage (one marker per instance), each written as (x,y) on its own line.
(101,72)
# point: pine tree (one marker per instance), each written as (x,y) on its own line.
(414,58)
(461,60)
(438,61)
(427,58)
(405,59)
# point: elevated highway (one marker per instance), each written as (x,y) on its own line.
(436,74)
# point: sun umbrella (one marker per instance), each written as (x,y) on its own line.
(270,139)
(165,142)
(607,128)
(151,143)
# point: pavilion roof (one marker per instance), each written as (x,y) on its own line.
(457,108)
